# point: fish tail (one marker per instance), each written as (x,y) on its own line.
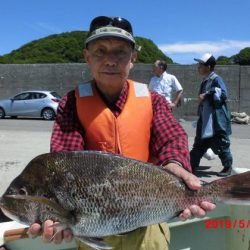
(235,189)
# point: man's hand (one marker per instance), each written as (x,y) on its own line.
(49,233)
(172,105)
(192,182)
(201,97)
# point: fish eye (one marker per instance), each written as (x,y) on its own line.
(23,191)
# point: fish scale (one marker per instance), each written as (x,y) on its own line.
(97,194)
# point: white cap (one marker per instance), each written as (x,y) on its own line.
(110,31)
(206,59)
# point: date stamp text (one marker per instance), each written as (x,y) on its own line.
(227,223)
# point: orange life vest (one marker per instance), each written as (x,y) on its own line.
(129,133)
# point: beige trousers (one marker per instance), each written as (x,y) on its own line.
(154,237)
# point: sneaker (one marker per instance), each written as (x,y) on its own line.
(209,155)
(225,172)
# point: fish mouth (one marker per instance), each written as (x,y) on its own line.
(7,211)
(4,199)
(13,209)
(6,202)
(1,201)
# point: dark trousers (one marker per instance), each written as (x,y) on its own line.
(220,144)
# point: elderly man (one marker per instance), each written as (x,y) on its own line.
(114,114)
(166,84)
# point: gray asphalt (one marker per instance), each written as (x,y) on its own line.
(23,139)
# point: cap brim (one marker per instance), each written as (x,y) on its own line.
(110,32)
(199,60)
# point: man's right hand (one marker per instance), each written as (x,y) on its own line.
(201,97)
(49,233)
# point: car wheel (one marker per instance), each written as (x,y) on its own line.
(48,114)
(2,113)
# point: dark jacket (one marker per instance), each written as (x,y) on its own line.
(217,105)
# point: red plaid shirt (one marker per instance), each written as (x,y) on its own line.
(168,139)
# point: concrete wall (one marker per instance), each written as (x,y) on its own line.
(244,89)
(63,77)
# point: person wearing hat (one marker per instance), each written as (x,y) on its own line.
(114,114)
(213,126)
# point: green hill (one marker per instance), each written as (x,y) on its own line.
(242,58)
(67,48)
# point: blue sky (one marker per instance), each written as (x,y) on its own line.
(182,29)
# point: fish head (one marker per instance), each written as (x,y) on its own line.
(32,182)
(27,209)
(19,210)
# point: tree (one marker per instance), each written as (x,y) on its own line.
(67,48)
(222,60)
(150,52)
(243,57)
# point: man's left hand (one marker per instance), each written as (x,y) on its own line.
(173,105)
(193,182)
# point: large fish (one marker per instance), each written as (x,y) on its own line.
(97,194)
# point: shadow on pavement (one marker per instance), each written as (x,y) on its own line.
(202,172)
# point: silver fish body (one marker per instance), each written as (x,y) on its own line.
(98,194)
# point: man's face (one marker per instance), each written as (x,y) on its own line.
(110,61)
(157,70)
(203,69)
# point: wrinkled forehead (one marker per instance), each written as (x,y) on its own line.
(110,41)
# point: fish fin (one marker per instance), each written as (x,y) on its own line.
(95,243)
(53,236)
(50,203)
(59,227)
(175,216)
(120,235)
(236,188)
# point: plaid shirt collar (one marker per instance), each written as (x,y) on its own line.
(120,102)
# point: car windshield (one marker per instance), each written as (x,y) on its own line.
(55,95)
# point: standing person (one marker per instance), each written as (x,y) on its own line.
(166,84)
(213,126)
(114,114)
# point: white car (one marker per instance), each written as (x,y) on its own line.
(34,103)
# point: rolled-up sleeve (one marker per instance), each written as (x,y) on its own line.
(169,141)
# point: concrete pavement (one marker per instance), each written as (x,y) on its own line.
(20,144)
(240,146)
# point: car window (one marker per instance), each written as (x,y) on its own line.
(42,95)
(38,95)
(55,95)
(23,96)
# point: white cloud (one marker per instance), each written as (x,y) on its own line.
(48,27)
(180,52)
(213,47)
(43,28)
